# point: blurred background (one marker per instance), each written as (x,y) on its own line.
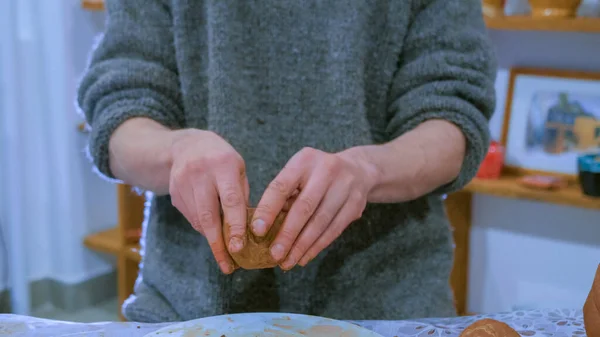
(523,254)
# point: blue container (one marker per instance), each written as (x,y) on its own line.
(589,174)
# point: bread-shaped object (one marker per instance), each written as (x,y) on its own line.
(591,308)
(489,328)
(256,252)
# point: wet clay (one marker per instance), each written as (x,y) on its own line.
(255,254)
(489,328)
(591,308)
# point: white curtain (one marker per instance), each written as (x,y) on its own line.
(37,133)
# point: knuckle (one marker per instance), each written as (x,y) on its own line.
(195,222)
(357,196)
(225,158)
(177,178)
(279,186)
(231,197)
(309,153)
(195,165)
(306,205)
(205,218)
(330,164)
(236,228)
(322,219)
(287,236)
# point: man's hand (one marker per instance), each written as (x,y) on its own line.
(332,192)
(200,170)
(207,174)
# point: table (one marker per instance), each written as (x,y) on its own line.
(547,323)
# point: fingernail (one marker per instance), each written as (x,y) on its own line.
(225,267)
(258,226)
(235,244)
(277,252)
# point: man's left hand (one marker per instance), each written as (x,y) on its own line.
(332,190)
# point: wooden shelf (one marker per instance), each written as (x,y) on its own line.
(106,241)
(580,24)
(508,187)
(93,5)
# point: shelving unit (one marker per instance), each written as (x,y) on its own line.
(458,205)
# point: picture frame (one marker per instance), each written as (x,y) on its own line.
(551,117)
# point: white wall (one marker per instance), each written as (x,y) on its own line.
(528,254)
(64,200)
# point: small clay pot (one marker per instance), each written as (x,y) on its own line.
(591,308)
(493,8)
(256,253)
(554,8)
(489,328)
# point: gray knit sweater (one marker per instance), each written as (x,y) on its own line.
(272,77)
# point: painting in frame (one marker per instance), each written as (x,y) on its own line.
(551,117)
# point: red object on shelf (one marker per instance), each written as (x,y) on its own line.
(133,235)
(491,167)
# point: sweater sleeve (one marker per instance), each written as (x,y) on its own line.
(446,71)
(132,72)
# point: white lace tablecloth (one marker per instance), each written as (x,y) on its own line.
(547,323)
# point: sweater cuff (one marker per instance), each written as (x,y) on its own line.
(475,129)
(111,118)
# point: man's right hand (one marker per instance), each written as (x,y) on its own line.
(199,169)
(207,170)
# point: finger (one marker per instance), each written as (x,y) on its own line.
(350,212)
(246,187)
(274,198)
(208,216)
(299,215)
(330,206)
(182,198)
(290,201)
(231,195)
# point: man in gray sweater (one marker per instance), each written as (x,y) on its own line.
(359,115)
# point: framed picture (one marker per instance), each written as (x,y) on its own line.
(551,117)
